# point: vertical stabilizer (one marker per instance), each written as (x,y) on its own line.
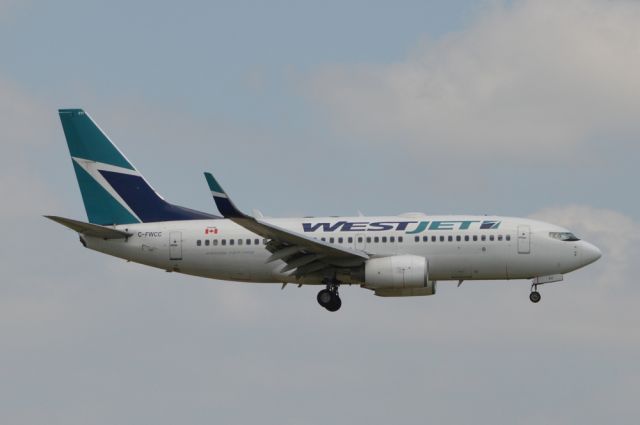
(113,191)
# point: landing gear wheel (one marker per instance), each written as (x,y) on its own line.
(335,304)
(535,296)
(329,298)
(324,297)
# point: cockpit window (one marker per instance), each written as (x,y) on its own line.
(564,236)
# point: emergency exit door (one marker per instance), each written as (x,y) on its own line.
(175,246)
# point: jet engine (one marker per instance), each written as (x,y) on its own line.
(398,276)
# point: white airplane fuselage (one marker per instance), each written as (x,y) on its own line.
(456,248)
(394,256)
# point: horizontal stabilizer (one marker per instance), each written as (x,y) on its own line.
(89,229)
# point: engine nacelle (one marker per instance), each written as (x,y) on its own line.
(398,272)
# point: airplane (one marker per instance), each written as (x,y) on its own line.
(393,256)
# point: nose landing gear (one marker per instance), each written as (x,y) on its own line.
(534,296)
(329,297)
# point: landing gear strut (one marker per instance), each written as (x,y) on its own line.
(534,296)
(329,297)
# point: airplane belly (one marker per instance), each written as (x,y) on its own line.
(222,265)
(468,263)
(489,262)
(243,265)
(148,253)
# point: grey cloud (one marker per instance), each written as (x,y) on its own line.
(125,338)
(89,339)
(531,77)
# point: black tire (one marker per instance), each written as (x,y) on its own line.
(535,297)
(324,297)
(335,303)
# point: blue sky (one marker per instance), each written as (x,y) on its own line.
(524,108)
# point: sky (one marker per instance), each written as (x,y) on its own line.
(525,108)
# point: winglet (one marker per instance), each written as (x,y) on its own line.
(224,204)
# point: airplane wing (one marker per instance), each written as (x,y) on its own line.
(90,229)
(302,253)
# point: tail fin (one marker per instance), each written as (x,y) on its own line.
(113,191)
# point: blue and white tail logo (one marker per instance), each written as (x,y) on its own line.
(113,191)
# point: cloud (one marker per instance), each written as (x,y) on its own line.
(532,76)
(92,339)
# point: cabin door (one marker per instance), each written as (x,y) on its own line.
(524,239)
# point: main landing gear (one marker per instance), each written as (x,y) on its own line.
(329,297)
(534,296)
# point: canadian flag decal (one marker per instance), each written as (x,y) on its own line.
(211,231)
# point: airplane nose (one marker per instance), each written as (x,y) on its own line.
(590,253)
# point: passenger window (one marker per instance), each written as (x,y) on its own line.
(416,238)
(340,240)
(224,242)
(256,241)
(323,239)
(239,241)
(376,239)
(491,238)
(206,242)
(392,239)
(368,239)
(483,238)
(508,237)
(458,238)
(199,242)
(350,239)
(248,241)
(265,241)
(499,237)
(441,238)
(331,240)
(475,238)
(215,242)
(450,238)
(400,238)
(360,239)
(425,238)
(384,239)
(231,241)
(466,238)
(433,238)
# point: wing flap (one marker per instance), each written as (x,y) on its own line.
(301,261)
